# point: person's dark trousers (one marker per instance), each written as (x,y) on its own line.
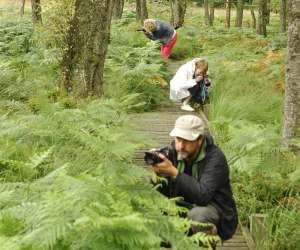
(205,214)
(199,93)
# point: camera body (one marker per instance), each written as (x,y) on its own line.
(151,157)
(206,80)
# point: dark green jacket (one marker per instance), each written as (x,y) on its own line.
(211,186)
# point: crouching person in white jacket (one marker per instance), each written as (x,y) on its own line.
(190,83)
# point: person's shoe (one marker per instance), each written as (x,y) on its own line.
(186,107)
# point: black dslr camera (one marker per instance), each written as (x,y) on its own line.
(151,157)
(206,81)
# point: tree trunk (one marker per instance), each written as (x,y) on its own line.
(268,12)
(262,18)
(239,13)
(141,10)
(118,9)
(36,11)
(228,13)
(291,127)
(87,41)
(96,46)
(206,12)
(253,17)
(178,8)
(74,43)
(211,13)
(283,15)
(22,3)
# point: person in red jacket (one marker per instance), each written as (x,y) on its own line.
(157,30)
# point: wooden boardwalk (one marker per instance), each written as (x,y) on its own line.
(156,127)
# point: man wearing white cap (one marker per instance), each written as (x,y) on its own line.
(197,170)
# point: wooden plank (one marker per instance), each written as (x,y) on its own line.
(236,240)
(231,248)
(258,229)
(235,244)
(248,238)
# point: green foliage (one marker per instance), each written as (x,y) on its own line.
(134,65)
(246,118)
(27,70)
(283,225)
(56,18)
(67,180)
(76,185)
(187,44)
(15,37)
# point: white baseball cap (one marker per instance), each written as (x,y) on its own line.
(188,127)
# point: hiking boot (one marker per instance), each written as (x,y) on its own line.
(187,107)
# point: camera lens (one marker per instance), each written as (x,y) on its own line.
(152,158)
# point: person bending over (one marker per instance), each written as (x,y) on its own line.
(163,32)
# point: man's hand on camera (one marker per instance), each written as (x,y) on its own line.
(148,34)
(165,168)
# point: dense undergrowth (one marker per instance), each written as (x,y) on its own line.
(67,180)
(67,177)
(137,68)
(246,117)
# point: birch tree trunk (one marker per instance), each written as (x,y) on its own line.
(291,127)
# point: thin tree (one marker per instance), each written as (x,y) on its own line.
(206,12)
(228,13)
(22,6)
(211,12)
(253,16)
(239,13)
(291,126)
(141,10)
(178,9)
(268,12)
(36,10)
(262,18)
(87,41)
(118,9)
(71,54)
(283,15)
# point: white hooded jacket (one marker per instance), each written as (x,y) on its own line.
(183,80)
